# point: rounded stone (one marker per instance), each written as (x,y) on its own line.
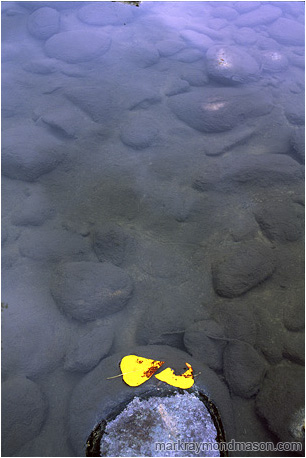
(90,290)
(89,346)
(105,13)
(29,152)
(245,36)
(109,243)
(262,15)
(44,22)
(282,222)
(281,398)
(274,61)
(242,268)
(167,48)
(205,341)
(139,131)
(51,245)
(23,412)
(219,110)
(244,368)
(77,45)
(229,65)
(298,143)
(287,32)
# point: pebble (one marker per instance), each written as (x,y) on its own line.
(197,40)
(294,312)
(90,290)
(44,22)
(34,211)
(51,245)
(219,110)
(77,46)
(89,346)
(226,12)
(245,7)
(205,341)
(265,14)
(270,334)
(274,61)
(230,65)
(294,347)
(242,268)
(280,399)
(245,36)
(244,369)
(24,409)
(167,48)
(29,152)
(282,222)
(110,243)
(249,171)
(97,13)
(294,109)
(140,131)
(287,32)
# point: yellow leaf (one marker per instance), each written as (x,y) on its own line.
(137,370)
(181,381)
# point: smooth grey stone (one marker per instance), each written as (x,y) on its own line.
(281,398)
(90,290)
(242,268)
(77,46)
(244,368)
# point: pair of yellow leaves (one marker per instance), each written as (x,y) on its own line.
(137,370)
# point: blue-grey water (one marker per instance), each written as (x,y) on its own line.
(152,194)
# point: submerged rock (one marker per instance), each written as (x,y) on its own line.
(244,368)
(219,110)
(77,45)
(205,341)
(44,22)
(231,65)
(90,290)
(29,152)
(89,346)
(146,427)
(24,411)
(287,32)
(242,268)
(280,400)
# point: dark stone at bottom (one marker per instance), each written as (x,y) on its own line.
(96,397)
